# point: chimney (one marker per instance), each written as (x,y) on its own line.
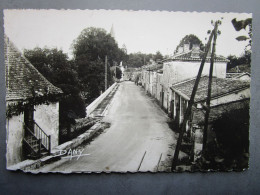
(180,50)
(186,47)
(196,47)
(195,53)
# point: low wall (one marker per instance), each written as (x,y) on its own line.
(91,107)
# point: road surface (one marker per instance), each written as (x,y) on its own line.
(138,139)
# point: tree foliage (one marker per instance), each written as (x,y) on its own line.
(232,132)
(245,59)
(158,56)
(116,72)
(90,49)
(136,60)
(54,65)
(191,39)
(234,61)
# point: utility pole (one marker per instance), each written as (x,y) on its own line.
(205,133)
(115,72)
(106,73)
(191,101)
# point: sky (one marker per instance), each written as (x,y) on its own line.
(140,31)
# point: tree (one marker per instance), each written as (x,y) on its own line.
(245,59)
(232,132)
(55,66)
(136,60)
(242,24)
(234,61)
(191,39)
(116,72)
(158,56)
(90,49)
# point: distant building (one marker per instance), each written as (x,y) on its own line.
(112,32)
(32,108)
(151,77)
(122,70)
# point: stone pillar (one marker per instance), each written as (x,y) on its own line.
(180,110)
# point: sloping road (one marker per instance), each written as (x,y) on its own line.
(138,138)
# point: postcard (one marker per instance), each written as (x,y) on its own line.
(90,91)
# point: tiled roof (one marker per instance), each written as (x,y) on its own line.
(217,111)
(219,87)
(192,55)
(23,80)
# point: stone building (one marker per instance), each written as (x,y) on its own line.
(185,65)
(151,77)
(32,109)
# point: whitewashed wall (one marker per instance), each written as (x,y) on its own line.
(14,139)
(177,71)
(47,117)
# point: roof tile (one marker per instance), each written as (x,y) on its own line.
(23,80)
(220,86)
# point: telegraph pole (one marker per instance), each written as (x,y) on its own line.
(106,73)
(115,73)
(191,101)
(205,133)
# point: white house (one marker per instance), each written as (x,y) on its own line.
(32,109)
(185,65)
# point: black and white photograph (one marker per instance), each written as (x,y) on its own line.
(92,91)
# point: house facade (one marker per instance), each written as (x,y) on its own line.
(32,109)
(185,65)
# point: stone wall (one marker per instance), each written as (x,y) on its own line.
(97,101)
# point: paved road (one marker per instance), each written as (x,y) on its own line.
(138,136)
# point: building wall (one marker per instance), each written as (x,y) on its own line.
(14,139)
(47,117)
(177,71)
(158,86)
